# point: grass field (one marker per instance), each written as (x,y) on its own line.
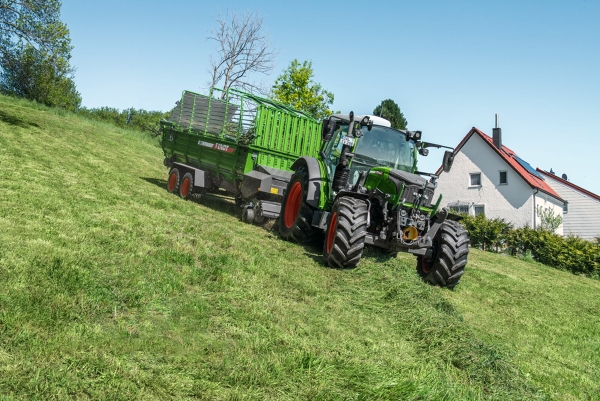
(110,288)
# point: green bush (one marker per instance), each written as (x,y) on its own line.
(487,234)
(141,120)
(570,253)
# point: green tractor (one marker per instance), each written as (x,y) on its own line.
(353,179)
(363,189)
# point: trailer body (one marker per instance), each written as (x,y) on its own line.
(239,143)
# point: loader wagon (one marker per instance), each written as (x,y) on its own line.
(239,143)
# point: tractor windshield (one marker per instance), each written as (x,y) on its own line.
(384,147)
(380,147)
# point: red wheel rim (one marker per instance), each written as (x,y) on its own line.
(185,187)
(331,233)
(172,181)
(292,205)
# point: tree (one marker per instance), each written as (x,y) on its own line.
(389,110)
(35,22)
(295,87)
(242,49)
(549,220)
(35,50)
(34,75)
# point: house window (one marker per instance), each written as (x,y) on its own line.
(459,207)
(479,209)
(475,179)
(503,179)
(566,207)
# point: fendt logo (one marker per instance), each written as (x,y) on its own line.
(217,146)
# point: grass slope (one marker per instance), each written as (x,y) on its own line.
(113,289)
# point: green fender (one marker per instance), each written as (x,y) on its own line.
(316,181)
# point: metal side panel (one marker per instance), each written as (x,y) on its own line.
(255,181)
(281,175)
(270,209)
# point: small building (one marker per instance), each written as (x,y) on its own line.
(491,179)
(581,215)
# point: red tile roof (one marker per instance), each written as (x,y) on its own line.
(567,183)
(509,157)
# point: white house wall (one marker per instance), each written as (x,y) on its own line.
(583,215)
(512,202)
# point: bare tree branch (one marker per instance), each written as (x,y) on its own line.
(242,49)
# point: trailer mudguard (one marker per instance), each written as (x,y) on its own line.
(314,179)
(201,177)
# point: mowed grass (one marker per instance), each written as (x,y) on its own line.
(111,288)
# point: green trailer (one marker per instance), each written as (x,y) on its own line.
(352,178)
(239,143)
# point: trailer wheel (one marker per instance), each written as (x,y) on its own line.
(247,215)
(346,231)
(296,215)
(187,186)
(450,251)
(173,180)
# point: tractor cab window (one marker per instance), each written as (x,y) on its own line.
(334,147)
(380,147)
(385,147)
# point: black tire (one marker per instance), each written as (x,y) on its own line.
(346,231)
(450,251)
(186,187)
(173,180)
(295,218)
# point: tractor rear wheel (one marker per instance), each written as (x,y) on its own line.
(173,180)
(450,251)
(187,186)
(346,231)
(295,218)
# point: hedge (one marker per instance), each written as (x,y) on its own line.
(569,253)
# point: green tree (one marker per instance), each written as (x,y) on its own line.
(35,50)
(549,220)
(389,110)
(35,22)
(33,74)
(296,88)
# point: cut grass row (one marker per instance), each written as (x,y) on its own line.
(113,289)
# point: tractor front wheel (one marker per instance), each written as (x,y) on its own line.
(450,251)
(295,218)
(346,231)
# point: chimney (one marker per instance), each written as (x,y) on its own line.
(497,136)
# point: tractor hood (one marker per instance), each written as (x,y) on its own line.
(402,186)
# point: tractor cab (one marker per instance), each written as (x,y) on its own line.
(375,145)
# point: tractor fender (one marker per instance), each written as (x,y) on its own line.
(314,179)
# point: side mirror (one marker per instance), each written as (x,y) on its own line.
(327,129)
(448,160)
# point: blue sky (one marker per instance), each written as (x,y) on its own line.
(450,65)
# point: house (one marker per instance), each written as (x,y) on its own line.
(581,215)
(489,178)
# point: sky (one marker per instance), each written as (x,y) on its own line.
(449,65)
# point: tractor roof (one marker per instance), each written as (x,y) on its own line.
(376,120)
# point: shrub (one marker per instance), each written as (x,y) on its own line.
(572,253)
(141,120)
(486,234)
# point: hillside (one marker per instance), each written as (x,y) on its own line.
(114,289)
